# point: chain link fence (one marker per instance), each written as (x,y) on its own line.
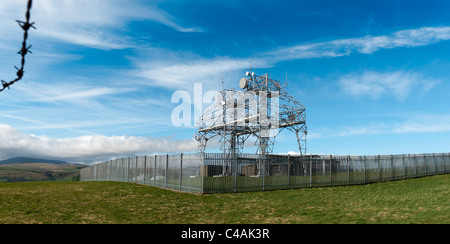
(213,173)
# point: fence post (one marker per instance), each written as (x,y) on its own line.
(289,172)
(348,169)
(448,161)
(113,170)
(128,170)
(310,170)
(234,167)
(435,164)
(167,168)
(202,165)
(404,167)
(425,163)
(379,169)
(331,169)
(145,168)
(181,169)
(136,169)
(122,170)
(119,169)
(154,171)
(365,177)
(392,167)
(264,173)
(415,165)
(445,162)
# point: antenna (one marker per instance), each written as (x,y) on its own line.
(286,79)
(223,86)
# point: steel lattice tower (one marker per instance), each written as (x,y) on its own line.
(262,109)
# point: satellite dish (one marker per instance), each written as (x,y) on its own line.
(243,83)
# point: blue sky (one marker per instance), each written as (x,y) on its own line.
(373,75)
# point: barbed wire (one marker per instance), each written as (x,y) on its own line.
(24,50)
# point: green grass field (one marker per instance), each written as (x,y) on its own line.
(418,201)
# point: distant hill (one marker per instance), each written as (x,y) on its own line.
(20,160)
(35,169)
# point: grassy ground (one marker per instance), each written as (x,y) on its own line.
(424,201)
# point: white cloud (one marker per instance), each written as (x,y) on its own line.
(86,149)
(366,45)
(80,107)
(182,73)
(424,124)
(163,73)
(400,84)
(76,92)
(92,23)
(162,17)
(346,131)
(417,124)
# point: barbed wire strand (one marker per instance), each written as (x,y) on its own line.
(25,50)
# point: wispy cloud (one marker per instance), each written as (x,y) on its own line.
(94,23)
(366,45)
(423,124)
(85,149)
(399,84)
(75,92)
(416,124)
(346,131)
(162,17)
(161,73)
(183,73)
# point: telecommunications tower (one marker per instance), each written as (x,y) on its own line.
(262,109)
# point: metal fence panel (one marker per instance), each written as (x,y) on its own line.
(191,178)
(299,176)
(357,170)
(215,173)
